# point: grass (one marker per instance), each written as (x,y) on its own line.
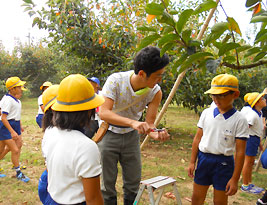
(167,159)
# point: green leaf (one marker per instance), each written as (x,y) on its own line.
(31,13)
(234,25)
(154,9)
(257,19)
(218,45)
(166,18)
(179,62)
(205,6)
(167,38)
(193,58)
(186,35)
(252,51)
(166,2)
(250,3)
(145,28)
(28,8)
(229,59)
(226,38)
(185,15)
(227,47)
(36,20)
(220,27)
(148,40)
(166,47)
(243,48)
(173,12)
(259,56)
(28,1)
(212,37)
(167,29)
(195,43)
(261,35)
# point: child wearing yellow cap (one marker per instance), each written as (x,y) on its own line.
(10,124)
(222,130)
(73,160)
(252,112)
(40,114)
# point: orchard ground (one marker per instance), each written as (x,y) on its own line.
(170,158)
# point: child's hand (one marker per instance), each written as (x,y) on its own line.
(14,135)
(161,135)
(191,170)
(231,187)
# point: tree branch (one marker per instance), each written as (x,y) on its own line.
(243,67)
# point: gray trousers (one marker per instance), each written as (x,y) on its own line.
(123,148)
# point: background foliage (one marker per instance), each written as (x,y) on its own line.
(96,38)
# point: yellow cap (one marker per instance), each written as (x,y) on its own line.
(49,96)
(45,84)
(253,98)
(14,82)
(223,83)
(76,94)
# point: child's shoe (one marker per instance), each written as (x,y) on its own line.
(250,189)
(260,202)
(22,177)
(21,167)
(1,169)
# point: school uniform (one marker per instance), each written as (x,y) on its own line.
(40,115)
(254,119)
(70,156)
(12,108)
(215,157)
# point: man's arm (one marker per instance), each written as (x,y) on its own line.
(106,114)
(194,152)
(14,135)
(151,115)
(232,185)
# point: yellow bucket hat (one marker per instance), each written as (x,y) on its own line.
(45,84)
(14,82)
(76,94)
(253,98)
(223,83)
(49,96)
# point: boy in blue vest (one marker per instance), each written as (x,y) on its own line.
(221,131)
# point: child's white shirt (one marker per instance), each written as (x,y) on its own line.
(11,106)
(221,130)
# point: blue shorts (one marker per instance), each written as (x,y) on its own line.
(214,169)
(253,144)
(42,187)
(4,132)
(39,119)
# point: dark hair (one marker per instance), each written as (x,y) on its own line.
(47,119)
(149,60)
(72,120)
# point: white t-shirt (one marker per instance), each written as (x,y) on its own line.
(40,103)
(11,106)
(119,89)
(221,130)
(254,118)
(70,156)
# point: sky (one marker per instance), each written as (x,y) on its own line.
(16,24)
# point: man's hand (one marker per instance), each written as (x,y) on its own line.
(161,135)
(231,187)
(191,170)
(141,127)
(14,135)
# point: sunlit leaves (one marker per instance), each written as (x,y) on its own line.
(145,28)
(205,6)
(227,47)
(261,18)
(261,35)
(234,25)
(166,47)
(252,51)
(148,40)
(154,9)
(168,38)
(183,17)
(259,56)
(250,3)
